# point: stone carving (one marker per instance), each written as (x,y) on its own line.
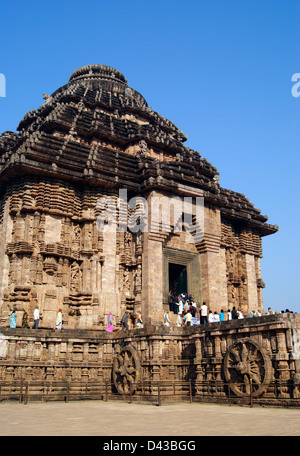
(126,370)
(143,358)
(246,363)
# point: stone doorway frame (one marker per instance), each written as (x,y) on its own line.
(193,267)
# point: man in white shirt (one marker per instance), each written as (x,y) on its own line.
(216,317)
(36,317)
(167,318)
(203,313)
(188,319)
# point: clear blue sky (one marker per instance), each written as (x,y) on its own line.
(220,70)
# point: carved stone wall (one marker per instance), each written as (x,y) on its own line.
(55,256)
(243,251)
(235,354)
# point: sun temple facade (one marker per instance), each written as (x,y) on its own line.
(104,209)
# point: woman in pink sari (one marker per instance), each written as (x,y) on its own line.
(110,326)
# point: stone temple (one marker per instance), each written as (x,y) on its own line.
(95,157)
(104,209)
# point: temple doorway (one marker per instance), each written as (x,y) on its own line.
(181,274)
(178,278)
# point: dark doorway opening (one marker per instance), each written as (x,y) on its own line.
(177,278)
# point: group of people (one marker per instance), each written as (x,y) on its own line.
(13,320)
(59,321)
(234,314)
(181,320)
(139,320)
(124,321)
(182,303)
(36,318)
(184,307)
(188,314)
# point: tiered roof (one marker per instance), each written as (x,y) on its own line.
(98,130)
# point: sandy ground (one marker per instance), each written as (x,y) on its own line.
(99,418)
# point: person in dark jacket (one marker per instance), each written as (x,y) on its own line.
(234,314)
(124,321)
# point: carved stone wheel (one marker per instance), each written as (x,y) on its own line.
(126,370)
(246,360)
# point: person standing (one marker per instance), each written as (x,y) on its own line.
(110,326)
(124,321)
(175,305)
(167,318)
(36,317)
(240,314)
(25,320)
(59,319)
(222,315)
(216,317)
(250,314)
(171,302)
(203,313)
(180,306)
(234,314)
(186,307)
(188,319)
(193,309)
(13,320)
(139,323)
(178,321)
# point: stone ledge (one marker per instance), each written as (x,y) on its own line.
(241,326)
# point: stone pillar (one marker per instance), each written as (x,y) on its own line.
(109,265)
(282,358)
(198,364)
(6,236)
(213,262)
(85,374)
(109,297)
(260,285)
(252,282)
(152,280)
(50,374)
